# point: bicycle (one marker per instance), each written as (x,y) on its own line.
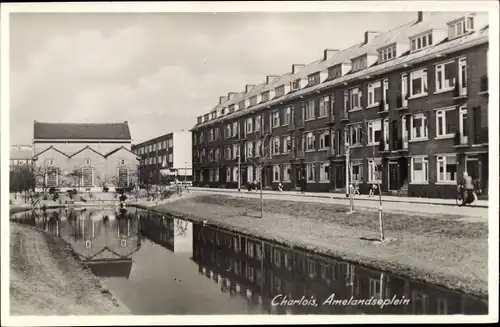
(468,200)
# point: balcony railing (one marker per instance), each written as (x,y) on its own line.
(383,145)
(460,139)
(481,136)
(383,107)
(402,103)
(484,84)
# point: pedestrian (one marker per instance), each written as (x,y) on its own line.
(302,185)
(468,194)
(372,190)
(356,187)
(280,187)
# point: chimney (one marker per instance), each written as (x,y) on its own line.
(126,122)
(420,16)
(328,53)
(222,99)
(370,35)
(296,68)
(231,95)
(270,78)
(248,87)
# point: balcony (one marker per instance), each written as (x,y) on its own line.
(383,108)
(344,117)
(402,103)
(460,140)
(299,154)
(400,144)
(483,88)
(460,92)
(481,136)
(383,145)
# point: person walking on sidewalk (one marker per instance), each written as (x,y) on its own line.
(373,189)
(302,185)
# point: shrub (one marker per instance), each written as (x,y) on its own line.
(105,189)
(52,190)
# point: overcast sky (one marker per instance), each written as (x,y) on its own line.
(160,71)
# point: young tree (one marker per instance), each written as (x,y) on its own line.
(262,156)
(76,174)
(105,180)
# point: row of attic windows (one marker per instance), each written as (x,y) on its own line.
(456,29)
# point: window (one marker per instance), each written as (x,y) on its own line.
(374,131)
(216,175)
(236,150)
(324,139)
(355,98)
(210,175)
(419,170)
(250,176)
(235,129)
(314,79)
(210,155)
(359,63)
(346,101)
(387,54)
(418,127)
(279,91)
(324,171)
(310,172)
(249,149)
(87,162)
(447,168)
(457,29)
(418,83)
(277,259)
(296,85)
(286,115)
(287,144)
(354,136)
(356,171)
(276,145)
(275,122)
(374,171)
(442,306)
(265,96)
(276,173)
(250,251)
(228,174)
(374,288)
(258,148)
(241,105)
(249,125)
(374,94)
(211,135)
(258,119)
(310,110)
(235,174)
(445,122)
(253,100)
(310,141)
(421,42)
(287,172)
(323,106)
(311,268)
(217,154)
(404,90)
(170,157)
(445,76)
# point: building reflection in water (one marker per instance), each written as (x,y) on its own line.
(104,239)
(260,270)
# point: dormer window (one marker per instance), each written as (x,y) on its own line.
(421,42)
(241,105)
(253,100)
(334,72)
(296,85)
(200,120)
(313,79)
(460,27)
(387,54)
(359,63)
(223,111)
(265,96)
(232,108)
(279,91)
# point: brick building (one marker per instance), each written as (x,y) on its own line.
(409,105)
(20,155)
(172,151)
(100,153)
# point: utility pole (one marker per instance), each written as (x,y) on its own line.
(347,154)
(239,175)
(185,172)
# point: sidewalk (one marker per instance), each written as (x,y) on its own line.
(385,198)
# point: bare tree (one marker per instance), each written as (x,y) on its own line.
(76,174)
(365,140)
(262,156)
(105,180)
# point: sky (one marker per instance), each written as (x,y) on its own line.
(160,71)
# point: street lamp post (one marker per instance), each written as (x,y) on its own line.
(239,175)
(185,172)
(347,154)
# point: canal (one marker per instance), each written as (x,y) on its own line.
(159,265)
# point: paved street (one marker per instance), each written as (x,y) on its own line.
(433,207)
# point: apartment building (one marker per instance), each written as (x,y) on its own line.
(408,108)
(20,155)
(172,151)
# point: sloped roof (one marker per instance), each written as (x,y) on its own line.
(118,149)
(400,34)
(75,131)
(50,148)
(86,148)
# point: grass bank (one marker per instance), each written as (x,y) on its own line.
(47,279)
(444,250)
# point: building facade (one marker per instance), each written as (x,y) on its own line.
(408,108)
(83,155)
(172,151)
(20,156)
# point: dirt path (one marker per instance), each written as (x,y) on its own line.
(45,279)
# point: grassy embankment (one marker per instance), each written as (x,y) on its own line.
(444,250)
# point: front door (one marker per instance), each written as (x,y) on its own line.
(393,176)
(339,177)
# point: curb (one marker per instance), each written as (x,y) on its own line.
(342,198)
